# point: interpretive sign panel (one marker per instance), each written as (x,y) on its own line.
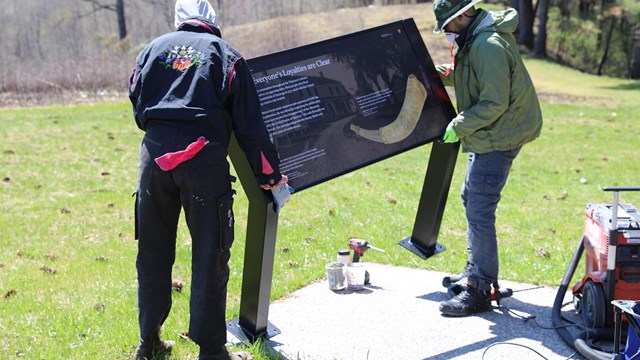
(331,108)
(338,105)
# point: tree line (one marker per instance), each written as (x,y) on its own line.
(79,44)
(596,36)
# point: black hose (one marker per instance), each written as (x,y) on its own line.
(556,317)
(583,348)
(577,343)
(588,351)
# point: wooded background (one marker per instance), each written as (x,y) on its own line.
(67,45)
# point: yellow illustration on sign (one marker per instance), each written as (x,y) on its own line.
(407,119)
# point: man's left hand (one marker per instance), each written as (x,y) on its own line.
(281,196)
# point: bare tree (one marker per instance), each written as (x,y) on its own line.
(541,40)
(634,71)
(118,8)
(607,44)
(161,9)
(525,27)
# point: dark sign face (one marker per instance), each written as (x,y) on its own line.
(342,104)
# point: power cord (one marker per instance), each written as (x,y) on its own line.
(513,344)
(535,320)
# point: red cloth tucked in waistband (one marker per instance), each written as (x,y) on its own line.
(170,160)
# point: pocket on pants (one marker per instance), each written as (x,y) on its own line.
(226,220)
(486,184)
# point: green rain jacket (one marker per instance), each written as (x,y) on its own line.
(498,108)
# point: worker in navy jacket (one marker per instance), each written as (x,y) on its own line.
(190,89)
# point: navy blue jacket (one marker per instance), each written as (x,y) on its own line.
(193,78)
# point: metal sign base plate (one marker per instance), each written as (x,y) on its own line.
(423,253)
(245,337)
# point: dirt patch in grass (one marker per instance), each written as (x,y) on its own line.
(26,100)
(35,99)
(559,98)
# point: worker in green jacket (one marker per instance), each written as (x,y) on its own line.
(498,112)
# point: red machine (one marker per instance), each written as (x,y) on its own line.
(612,257)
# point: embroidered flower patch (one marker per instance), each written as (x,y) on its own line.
(180,58)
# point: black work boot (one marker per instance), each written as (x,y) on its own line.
(469,301)
(455,289)
(223,354)
(447,281)
(153,347)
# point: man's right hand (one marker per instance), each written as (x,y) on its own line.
(450,135)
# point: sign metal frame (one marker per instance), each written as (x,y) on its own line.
(252,323)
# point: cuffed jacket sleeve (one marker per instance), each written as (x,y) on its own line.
(249,127)
(134,88)
(447,80)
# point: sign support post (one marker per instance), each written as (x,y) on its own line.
(262,225)
(423,240)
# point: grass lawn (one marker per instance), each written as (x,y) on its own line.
(67,254)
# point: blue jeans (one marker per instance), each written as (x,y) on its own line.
(486,176)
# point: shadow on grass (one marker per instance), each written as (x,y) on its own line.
(629,86)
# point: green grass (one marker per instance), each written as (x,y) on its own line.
(551,78)
(67,254)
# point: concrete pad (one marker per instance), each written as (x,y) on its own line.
(396,316)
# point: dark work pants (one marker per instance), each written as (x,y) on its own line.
(201,186)
(485,178)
